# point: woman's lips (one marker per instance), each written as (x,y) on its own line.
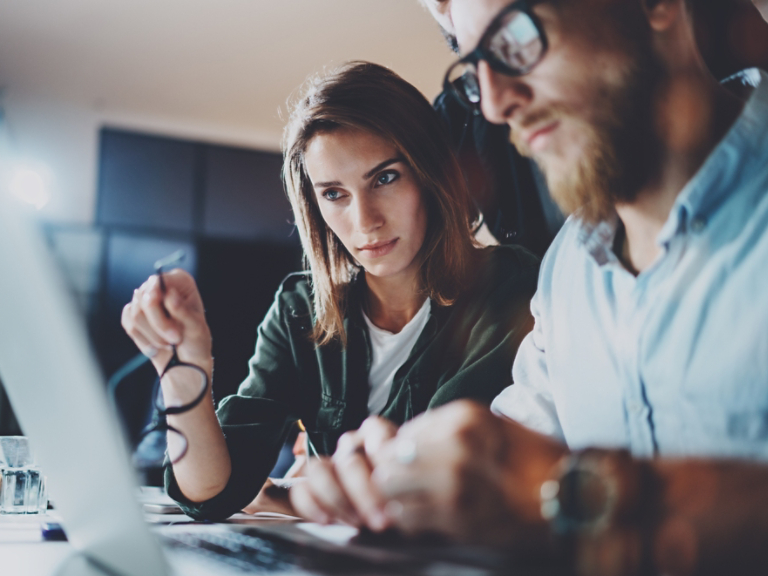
(379,249)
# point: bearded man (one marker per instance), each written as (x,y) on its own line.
(636,430)
(512,197)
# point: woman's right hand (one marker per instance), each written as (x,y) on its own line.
(204,470)
(341,487)
(145,321)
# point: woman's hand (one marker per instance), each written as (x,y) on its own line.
(274,497)
(145,320)
(204,470)
(341,488)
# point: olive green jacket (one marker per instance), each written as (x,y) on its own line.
(464,351)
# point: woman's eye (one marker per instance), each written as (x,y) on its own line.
(387,177)
(331,195)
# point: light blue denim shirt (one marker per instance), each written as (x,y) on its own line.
(675,360)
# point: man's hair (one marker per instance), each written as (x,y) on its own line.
(451,40)
(374,99)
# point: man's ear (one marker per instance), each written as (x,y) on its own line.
(662,14)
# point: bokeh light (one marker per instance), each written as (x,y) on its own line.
(30,183)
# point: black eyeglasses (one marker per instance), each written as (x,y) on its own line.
(186,385)
(513,43)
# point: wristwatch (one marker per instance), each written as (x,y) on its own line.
(583,494)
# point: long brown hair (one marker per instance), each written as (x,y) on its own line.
(372,98)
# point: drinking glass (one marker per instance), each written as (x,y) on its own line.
(23,488)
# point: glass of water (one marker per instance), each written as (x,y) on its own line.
(23,489)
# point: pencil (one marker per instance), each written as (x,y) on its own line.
(310,447)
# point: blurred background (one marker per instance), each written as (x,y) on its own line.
(137,128)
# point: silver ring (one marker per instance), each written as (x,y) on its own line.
(405,451)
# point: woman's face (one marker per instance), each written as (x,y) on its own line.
(369,197)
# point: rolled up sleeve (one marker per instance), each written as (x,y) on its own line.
(255,421)
(529,399)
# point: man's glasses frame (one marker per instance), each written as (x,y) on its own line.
(483,52)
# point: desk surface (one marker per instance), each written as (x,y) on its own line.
(23,552)
(22,549)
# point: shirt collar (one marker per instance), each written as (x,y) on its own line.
(598,239)
(738,153)
(732,159)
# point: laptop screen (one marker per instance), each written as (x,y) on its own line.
(58,394)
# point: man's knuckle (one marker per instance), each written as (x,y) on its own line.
(373,424)
(346,440)
(466,436)
(472,431)
(340,457)
(348,447)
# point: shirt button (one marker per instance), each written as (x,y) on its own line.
(697,224)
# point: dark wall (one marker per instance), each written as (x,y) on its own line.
(225,207)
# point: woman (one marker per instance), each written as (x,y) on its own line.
(399,310)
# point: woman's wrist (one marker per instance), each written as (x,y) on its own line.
(181,386)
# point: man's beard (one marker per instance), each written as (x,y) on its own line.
(620,155)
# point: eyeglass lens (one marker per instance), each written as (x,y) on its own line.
(516,45)
(463,80)
(182,385)
(181,390)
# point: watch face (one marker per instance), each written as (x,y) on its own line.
(584,496)
(581,500)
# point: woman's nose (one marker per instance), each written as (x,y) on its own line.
(369,216)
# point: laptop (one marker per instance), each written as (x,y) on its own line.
(51,377)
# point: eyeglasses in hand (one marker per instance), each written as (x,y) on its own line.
(179,388)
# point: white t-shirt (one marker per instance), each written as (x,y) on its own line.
(388,353)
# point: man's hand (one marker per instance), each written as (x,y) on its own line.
(465,473)
(459,471)
(145,320)
(340,488)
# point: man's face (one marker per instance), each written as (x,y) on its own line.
(583,113)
